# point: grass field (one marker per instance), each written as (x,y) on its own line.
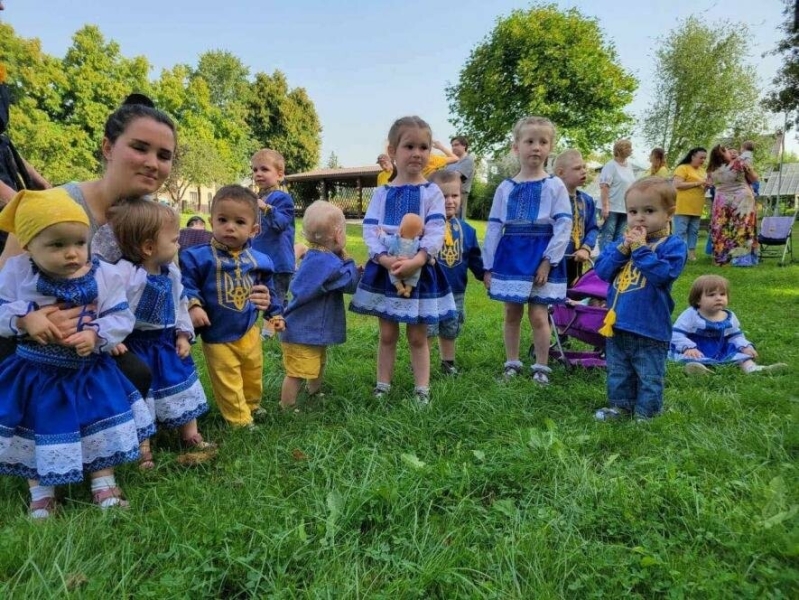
(496,491)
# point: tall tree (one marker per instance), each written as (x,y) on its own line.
(704,88)
(285,120)
(548,62)
(785,99)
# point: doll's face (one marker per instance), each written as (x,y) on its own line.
(411,226)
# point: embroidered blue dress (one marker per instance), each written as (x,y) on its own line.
(431,300)
(162,311)
(62,414)
(529,221)
(720,342)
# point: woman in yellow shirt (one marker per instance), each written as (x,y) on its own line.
(690,180)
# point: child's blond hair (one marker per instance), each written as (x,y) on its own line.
(565,159)
(273,157)
(136,221)
(705,284)
(658,187)
(321,221)
(444,176)
(748,145)
(533,122)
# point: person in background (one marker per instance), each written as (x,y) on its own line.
(747,155)
(570,167)
(464,166)
(387,173)
(690,180)
(614,179)
(276,237)
(15,172)
(437,161)
(657,164)
(459,255)
(194,233)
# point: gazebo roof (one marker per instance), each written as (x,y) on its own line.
(367,175)
(788,183)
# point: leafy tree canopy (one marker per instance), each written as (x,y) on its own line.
(785,98)
(548,62)
(704,89)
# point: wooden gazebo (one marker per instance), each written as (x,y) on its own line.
(348,188)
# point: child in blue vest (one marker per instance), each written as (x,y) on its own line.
(459,254)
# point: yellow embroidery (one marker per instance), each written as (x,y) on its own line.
(578,222)
(233,290)
(450,253)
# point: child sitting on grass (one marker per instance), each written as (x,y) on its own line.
(315,316)
(709,334)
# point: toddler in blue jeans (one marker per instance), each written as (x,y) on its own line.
(640,270)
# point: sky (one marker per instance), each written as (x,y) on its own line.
(366,63)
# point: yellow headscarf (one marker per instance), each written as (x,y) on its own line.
(32,211)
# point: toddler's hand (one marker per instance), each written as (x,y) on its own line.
(693,353)
(183,345)
(199,318)
(83,341)
(38,326)
(582,256)
(259,296)
(119,349)
(261,204)
(749,351)
(542,273)
(487,280)
(386,261)
(278,323)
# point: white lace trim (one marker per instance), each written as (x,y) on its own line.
(424,310)
(65,462)
(180,408)
(525,291)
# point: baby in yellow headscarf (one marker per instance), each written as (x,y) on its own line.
(67,389)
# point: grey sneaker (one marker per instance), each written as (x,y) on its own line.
(422,398)
(768,368)
(379,393)
(511,371)
(449,368)
(541,374)
(260,414)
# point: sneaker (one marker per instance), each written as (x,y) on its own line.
(449,368)
(695,368)
(768,368)
(541,374)
(422,398)
(511,371)
(610,413)
(260,414)
(379,393)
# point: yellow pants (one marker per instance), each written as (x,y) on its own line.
(236,373)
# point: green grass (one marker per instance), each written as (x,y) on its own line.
(496,491)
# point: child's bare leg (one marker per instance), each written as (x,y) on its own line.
(446,348)
(513,326)
(289,391)
(387,350)
(105,492)
(420,354)
(539,321)
(145,456)
(314,385)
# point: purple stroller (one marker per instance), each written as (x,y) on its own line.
(581,322)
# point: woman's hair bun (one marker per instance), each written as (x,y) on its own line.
(139,99)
